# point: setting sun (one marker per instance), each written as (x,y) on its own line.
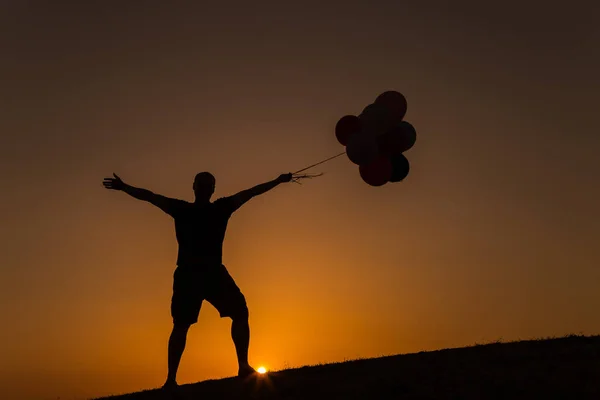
(261,370)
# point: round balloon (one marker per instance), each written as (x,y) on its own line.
(362,148)
(377,172)
(395,102)
(409,133)
(398,139)
(376,119)
(347,126)
(400,168)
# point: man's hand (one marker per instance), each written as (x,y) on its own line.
(114,183)
(285,178)
(168,205)
(242,197)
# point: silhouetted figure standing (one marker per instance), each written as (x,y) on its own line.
(200,274)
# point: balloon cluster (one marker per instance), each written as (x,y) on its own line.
(376,139)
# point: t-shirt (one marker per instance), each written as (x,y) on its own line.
(200,230)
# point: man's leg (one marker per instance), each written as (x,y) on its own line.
(227,298)
(185,308)
(240,333)
(176,346)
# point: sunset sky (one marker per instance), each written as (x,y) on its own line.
(494,234)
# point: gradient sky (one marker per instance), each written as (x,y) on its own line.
(494,234)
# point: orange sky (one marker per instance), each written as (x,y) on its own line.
(494,234)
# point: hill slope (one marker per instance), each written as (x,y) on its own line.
(563,368)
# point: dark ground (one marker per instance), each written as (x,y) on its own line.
(563,368)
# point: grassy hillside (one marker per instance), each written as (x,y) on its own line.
(562,368)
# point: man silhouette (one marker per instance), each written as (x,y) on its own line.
(200,274)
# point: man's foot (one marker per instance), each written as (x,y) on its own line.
(170,384)
(172,388)
(246,371)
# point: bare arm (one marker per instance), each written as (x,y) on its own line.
(242,197)
(164,203)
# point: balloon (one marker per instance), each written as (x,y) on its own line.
(410,133)
(378,172)
(400,168)
(376,119)
(397,140)
(362,148)
(346,127)
(394,102)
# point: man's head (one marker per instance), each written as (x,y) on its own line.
(204,186)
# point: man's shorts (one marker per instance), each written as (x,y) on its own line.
(192,285)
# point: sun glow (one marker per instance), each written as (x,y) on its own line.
(261,370)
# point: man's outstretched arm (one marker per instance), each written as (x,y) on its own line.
(164,203)
(242,197)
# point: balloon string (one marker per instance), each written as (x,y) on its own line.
(319,163)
